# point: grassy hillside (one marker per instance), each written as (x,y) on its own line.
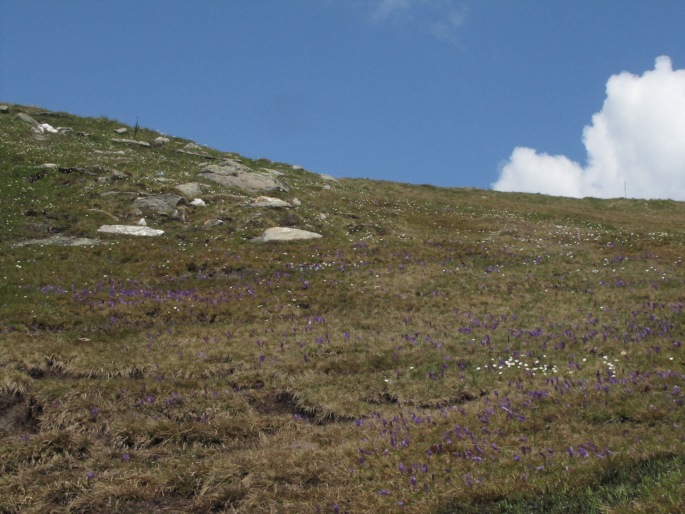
(437,350)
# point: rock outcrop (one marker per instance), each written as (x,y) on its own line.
(130,230)
(232,173)
(159,204)
(285,234)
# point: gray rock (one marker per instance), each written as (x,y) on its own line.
(121,130)
(4,109)
(227,167)
(327,177)
(47,166)
(285,234)
(130,230)
(27,119)
(118,175)
(231,173)
(198,202)
(213,223)
(159,204)
(125,193)
(61,241)
(131,142)
(269,203)
(195,149)
(161,141)
(191,189)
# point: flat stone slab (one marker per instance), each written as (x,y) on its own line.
(269,203)
(285,234)
(61,241)
(131,142)
(130,230)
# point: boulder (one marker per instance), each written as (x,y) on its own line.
(328,178)
(269,203)
(130,230)
(231,173)
(4,109)
(27,119)
(191,189)
(159,204)
(161,141)
(285,234)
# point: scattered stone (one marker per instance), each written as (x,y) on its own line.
(326,187)
(285,234)
(127,193)
(4,109)
(213,223)
(231,173)
(27,119)
(161,141)
(195,149)
(269,203)
(63,131)
(297,167)
(61,241)
(121,130)
(190,189)
(131,142)
(327,177)
(118,175)
(159,204)
(162,179)
(296,202)
(103,180)
(198,202)
(130,230)
(47,166)
(141,222)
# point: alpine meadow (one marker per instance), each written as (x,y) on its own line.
(390,348)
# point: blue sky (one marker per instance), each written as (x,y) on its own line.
(422,91)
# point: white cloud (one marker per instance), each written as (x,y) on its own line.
(440,18)
(637,140)
(388,8)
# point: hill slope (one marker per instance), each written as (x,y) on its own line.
(436,350)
